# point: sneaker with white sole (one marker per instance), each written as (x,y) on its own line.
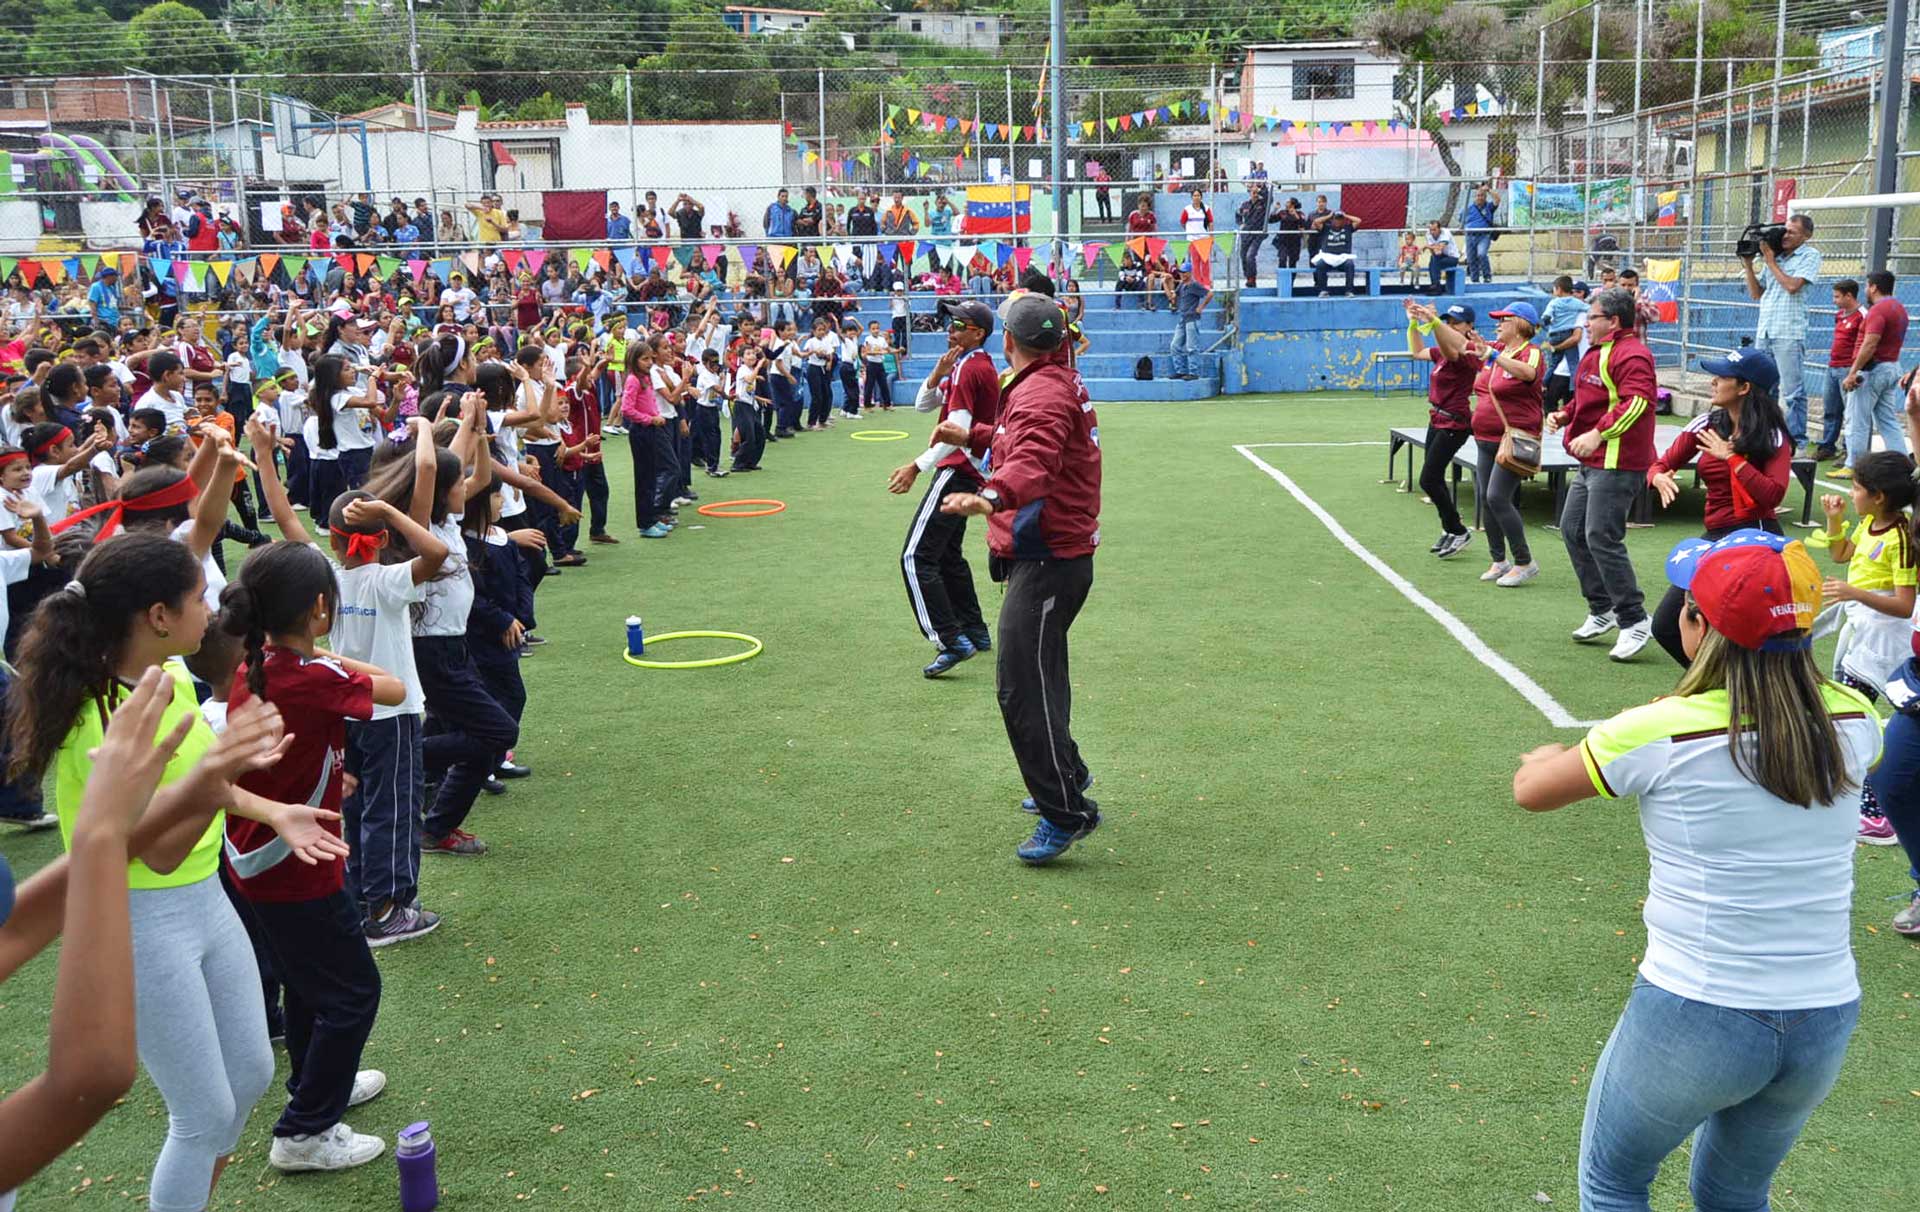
(1496,570)
(367,1085)
(1632,640)
(1454,544)
(401,923)
(1519,574)
(1907,921)
(1877,831)
(1596,626)
(338,1148)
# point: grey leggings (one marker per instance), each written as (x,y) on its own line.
(1498,489)
(201,1029)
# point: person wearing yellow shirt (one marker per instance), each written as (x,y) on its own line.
(489,221)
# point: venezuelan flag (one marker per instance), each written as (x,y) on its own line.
(999,210)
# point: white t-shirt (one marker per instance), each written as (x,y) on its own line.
(711,384)
(877,346)
(849,350)
(239,370)
(1194,219)
(1749,897)
(531,395)
(57,496)
(15,564)
(507,438)
(462,300)
(449,596)
(898,306)
(1446,243)
(216,580)
(350,430)
(374,624)
(173,406)
(821,351)
(662,380)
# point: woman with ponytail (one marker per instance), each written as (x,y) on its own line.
(134,605)
(339,448)
(284,602)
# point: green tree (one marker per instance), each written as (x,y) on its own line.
(172,39)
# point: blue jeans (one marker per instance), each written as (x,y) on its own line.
(1437,266)
(1479,266)
(1790,356)
(1744,1082)
(1896,780)
(1834,411)
(1186,343)
(1876,405)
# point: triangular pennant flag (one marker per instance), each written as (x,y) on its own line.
(843,254)
(1026,132)
(416,268)
(7,266)
(1001,254)
(1165,113)
(389,266)
(747,253)
(1155,246)
(661,255)
(906,252)
(471,260)
(782,254)
(1113,124)
(1091,251)
(441,269)
(1225,241)
(190,279)
(712,252)
(990,249)
(603,257)
(953,124)
(811,157)
(513,257)
(1126,121)
(889,251)
(222,270)
(365,261)
(891,111)
(913,116)
(295,266)
(161,267)
(966,126)
(267,263)
(992,129)
(1022,257)
(535,258)
(1116,253)
(865,158)
(629,259)
(30,270)
(1139,246)
(71,266)
(581,258)
(1086,129)
(89,264)
(1202,250)
(684,255)
(1177,251)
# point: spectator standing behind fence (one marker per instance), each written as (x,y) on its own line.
(1481,218)
(778,221)
(688,214)
(489,221)
(1189,304)
(1196,217)
(806,220)
(619,227)
(1847,319)
(1140,220)
(1443,253)
(1317,220)
(1738,1021)
(1609,427)
(1291,223)
(1252,221)
(1874,381)
(1782,329)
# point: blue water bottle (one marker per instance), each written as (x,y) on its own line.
(636,637)
(413,1153)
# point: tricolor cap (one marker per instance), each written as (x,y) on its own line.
(1521,310)
(1749,365)
(1753,587)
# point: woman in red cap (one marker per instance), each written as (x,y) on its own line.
(1739,1020)
(1506,396)
(1740,450)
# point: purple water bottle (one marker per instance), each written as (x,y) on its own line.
(413,1152)
(636,637)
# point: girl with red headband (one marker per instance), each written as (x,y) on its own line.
(16,476)
(374,624)
(56,461)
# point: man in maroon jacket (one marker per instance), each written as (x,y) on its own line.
(1041,500)
(964,386)
(1609,427)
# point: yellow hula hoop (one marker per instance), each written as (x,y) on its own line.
(709,663)
(879,435)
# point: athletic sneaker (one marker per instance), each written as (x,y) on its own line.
(367,1085)
(458,842)
(679,501)
(1049,841)
(32,821)
(1842,472)
(716,473)
(493,785)
(1632,640)
(401,923)
(507,770)
(1596,626)
(1455,544)
(1877,831)
(1439,543)
(659,530)
(1907,921)
(962,650)
(1027,805)
(1496,570)
(1519,574)
(338,1148)
(981,641)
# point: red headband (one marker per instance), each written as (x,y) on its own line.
(182,492)
(11,456)
(361,546)
(53,441)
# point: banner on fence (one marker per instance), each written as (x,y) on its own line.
(1571,204)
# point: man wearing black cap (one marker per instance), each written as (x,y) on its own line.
(1042,505)
(964,386)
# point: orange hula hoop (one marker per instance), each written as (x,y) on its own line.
(724,509)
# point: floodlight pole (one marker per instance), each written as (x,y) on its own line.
(1886,156)
(1057,123)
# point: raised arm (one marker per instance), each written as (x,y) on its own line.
(284,515)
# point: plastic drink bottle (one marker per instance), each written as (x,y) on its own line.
(636,637)
(413,1153)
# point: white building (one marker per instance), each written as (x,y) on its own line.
(746,19)
(970,31)
(1318,81)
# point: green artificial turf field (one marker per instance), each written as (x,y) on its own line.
(756,936)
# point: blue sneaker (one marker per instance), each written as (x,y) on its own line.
(1027,805)
(1049,841)
(656,531)
(982,642)
(962,650)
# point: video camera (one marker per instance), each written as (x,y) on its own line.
(1773,235)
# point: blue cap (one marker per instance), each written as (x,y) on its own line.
(1749,365)
(1684,560)
(1522,310)
(1581,286)
(1459,311)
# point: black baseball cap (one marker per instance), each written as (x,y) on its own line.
(1034,320)
(969,311)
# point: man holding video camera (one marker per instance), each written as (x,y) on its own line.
(1791,265)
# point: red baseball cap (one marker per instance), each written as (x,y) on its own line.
(1753,586)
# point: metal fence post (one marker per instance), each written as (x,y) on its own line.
(1893,114)
(633,156)
(1640,13)
(821,84)
(1012,130)
(1539,161)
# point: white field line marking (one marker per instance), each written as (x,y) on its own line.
(1528,689)
(1265,445)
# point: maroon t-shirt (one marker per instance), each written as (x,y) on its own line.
(1450,389)
(972,386)
(1519,398)
(316,697)
(1888,317)
(1846,337)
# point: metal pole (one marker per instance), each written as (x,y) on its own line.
(419,80)
(1539,119)
(1886,154)
(213,141)
(239,168)
(1593,101)
(1012,129)
(633,159)
(1057,124)
(821,85)
(1696,209)
(979,136)
(1634,166)
(1773,114)
(884,149)
(1213,129)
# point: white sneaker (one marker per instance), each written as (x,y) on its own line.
(367,1085)
(1596,626)
(1520,574)
(338,1148)
(679,501)
(1632,640)
(43,820)
(1455,544)
(1496,570)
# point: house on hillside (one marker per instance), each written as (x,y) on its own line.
(746,19)
(969,31)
